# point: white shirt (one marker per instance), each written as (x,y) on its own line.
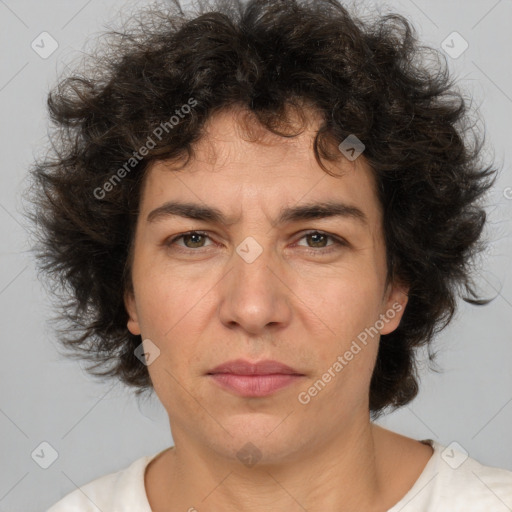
(450,482)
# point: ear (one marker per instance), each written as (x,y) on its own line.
(394,304)
(133,319)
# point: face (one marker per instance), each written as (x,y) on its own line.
(301,289)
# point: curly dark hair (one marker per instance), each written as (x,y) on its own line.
(372,79)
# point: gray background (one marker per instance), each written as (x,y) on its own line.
(99,428)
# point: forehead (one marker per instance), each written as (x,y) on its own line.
(238,165)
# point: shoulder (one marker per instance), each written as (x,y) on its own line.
(452,480)
(463,479)
(120,490)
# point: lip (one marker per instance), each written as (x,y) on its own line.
(264,367)
(257,379)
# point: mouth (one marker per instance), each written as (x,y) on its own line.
(258,379)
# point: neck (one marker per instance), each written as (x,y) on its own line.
(341,474)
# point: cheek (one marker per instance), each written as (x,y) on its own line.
(347,303)
(166,299)
(173,313)
(348,308)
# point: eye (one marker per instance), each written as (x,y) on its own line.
(319,240)
(191,240)
(196,240)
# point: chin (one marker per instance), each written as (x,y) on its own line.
(265,439)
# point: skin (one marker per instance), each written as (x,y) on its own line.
(205,305)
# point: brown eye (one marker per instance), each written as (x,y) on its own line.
(319,240)
(191,240)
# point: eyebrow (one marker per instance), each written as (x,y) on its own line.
(309,211)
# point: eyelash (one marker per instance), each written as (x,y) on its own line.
(338,243)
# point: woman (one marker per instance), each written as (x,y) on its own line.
(262,211)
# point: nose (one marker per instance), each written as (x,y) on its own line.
(254,293)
